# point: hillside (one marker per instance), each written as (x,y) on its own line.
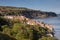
(29,13)
(15,24)
(22,28)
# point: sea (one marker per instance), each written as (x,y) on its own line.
(55,22)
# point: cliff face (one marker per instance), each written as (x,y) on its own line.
(29,13)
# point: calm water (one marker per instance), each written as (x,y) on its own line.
(55,21)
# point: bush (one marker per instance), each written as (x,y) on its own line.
(23,31)
(47,38)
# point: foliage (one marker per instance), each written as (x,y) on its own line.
(23,31)
(4,36)
(47,38)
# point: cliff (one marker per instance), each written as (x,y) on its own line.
(29,13)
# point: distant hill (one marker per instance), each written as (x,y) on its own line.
(29,13)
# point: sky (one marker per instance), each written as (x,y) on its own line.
(43,5)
